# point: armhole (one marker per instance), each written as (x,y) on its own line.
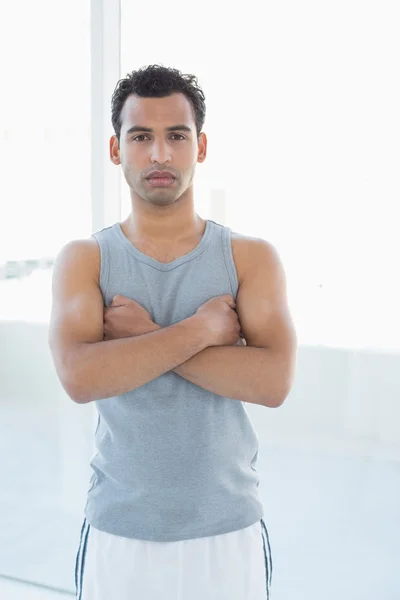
(104,266)
(229,261)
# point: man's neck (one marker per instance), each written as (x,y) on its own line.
(163,231)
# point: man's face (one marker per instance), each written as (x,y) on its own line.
(164,148)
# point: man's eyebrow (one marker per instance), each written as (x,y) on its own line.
(139,128)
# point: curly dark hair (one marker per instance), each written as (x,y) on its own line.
(157,81)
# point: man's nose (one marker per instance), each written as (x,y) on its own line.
(160,152)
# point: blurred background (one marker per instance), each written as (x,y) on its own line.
(308,94)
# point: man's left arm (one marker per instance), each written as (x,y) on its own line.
(263,371)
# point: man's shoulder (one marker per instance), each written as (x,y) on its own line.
(246,252)
(80,253)
(83,246)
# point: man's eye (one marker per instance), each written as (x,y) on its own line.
(173,135)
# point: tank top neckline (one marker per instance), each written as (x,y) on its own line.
(132,249)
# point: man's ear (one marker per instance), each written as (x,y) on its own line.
(114,150)
(202,147)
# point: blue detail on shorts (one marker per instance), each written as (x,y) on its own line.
(80,559)
(268,559)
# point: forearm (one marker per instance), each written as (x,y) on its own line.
(249,374)
(244,373)
(110,368)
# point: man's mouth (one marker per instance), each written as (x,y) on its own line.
(161,181)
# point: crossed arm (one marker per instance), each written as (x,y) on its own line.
(262,372)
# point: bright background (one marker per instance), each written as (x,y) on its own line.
(303,134)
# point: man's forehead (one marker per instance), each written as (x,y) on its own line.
(175,108)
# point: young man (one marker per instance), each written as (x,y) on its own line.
(148,321)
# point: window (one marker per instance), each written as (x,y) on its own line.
(300,146)
(45,202)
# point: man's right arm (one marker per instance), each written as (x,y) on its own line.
(90,368)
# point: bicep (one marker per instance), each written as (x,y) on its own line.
(77,304)
(262,303)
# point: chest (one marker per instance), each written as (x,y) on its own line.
(239,245)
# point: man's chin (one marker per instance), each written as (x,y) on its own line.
(161,196)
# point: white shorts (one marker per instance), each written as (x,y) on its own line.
(231,566)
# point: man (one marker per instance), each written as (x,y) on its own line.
(170,323)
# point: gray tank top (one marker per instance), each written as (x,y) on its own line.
(173,461)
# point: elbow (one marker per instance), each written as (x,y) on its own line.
(66,370)
(279,401)
(281,397)
(74,382)
(280,385)
(272,402)
(78,398)
(77,393)
(276,399)
(285,386)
